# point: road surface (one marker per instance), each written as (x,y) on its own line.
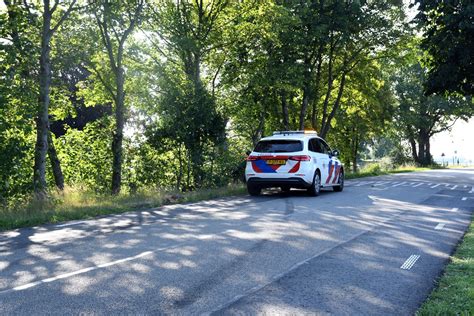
(376,248)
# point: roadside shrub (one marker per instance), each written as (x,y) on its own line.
(386,163)
(372,168)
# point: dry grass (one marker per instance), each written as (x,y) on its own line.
(75,203)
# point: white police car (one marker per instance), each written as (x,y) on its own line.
(293,159)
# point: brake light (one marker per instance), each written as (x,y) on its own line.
(252,158)
(300,158)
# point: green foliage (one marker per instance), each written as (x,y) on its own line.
(449,41)
(202,81)
(85,155)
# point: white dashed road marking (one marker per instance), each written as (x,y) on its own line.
(439,226)
(398,184)
(464,198)
(417,185)
(454,209)
(436,185)
(454,187)
(410,262)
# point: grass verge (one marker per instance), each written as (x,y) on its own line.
(377,171)
(454,294)
(74,204)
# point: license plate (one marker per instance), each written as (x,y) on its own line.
(276,162)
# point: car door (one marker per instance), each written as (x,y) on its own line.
(321,159)
(334,166)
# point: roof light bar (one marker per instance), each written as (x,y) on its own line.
(294,132)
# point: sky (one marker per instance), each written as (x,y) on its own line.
(460,139)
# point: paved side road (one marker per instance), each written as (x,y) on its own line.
(375,248)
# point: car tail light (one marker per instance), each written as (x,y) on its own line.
(300,158)
(252,158)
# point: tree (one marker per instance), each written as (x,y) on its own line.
(449,41)
(116,21)
(299,54)
(369,99)
(42,120)
(419,117)
(190,32)
(49,25)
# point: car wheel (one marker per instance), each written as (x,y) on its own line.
(316,186)
(253,189)
(340,183)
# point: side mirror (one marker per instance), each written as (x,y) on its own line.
(335,153)
(248,152)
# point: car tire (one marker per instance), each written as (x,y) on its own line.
(340,183)
(253,190)
(316,185)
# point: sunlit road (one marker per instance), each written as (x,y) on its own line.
(375,248)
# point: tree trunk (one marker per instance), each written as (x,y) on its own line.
(304,107)
(327,124)
(188,172)
(306,93)
(413,149)
(329,88)
(55,164)
(42,120)
(317,87)
(118,134)
(421,151)
(284,106)
(428,152)
(424,155)
(355,150)
(180,171)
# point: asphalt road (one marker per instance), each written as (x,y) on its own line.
(376,248)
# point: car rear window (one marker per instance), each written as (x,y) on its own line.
(278,146)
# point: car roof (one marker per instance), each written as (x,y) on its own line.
(288,135)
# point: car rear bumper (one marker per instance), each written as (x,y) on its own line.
(293,182)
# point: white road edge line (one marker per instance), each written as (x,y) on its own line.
(81,271)
(439,226)
(410,262)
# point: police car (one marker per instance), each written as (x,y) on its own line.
(293,159)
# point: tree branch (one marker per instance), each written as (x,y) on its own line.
(108,87)
(64,16)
